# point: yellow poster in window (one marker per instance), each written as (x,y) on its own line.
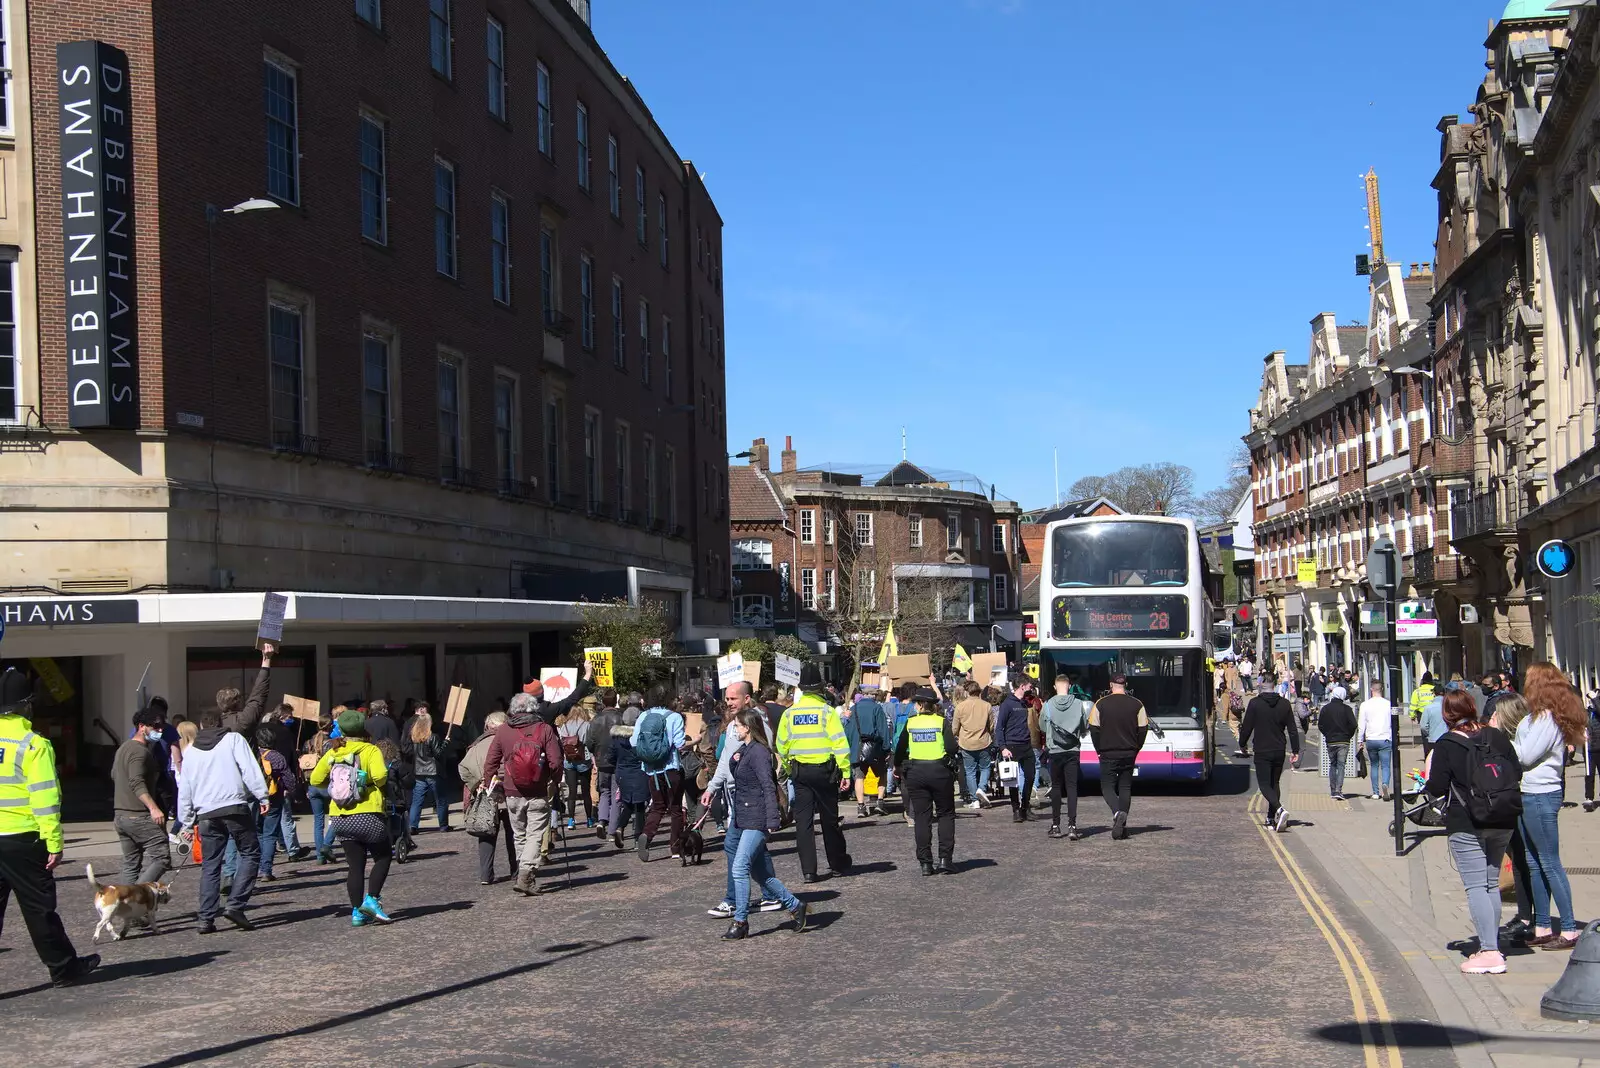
(1306,572)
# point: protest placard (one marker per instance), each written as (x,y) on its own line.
(600,657)
(786,669)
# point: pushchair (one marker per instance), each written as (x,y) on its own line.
(1426,810)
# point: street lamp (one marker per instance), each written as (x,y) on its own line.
(1424,372)
(741,455)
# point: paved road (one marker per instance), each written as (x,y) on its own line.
(1185,944)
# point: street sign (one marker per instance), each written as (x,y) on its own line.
(1556,559)
(1413,629)
(1288,643)
(1383,567)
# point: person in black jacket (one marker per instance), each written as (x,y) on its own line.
(1476,848)
(1337,721)
(1270,719)
(1118,726)
(756,814)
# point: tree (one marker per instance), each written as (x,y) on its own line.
(627,630)
(1217,505)
(789,645)
(1148,489)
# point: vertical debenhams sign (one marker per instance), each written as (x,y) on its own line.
(97,227)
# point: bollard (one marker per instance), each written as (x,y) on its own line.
(1576,995)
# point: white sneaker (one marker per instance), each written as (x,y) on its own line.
(1282,821)
(767,905)
(721,910)
(983,797)
(974,804)
(1375,797)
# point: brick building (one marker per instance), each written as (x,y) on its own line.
(467,368)
(817,550)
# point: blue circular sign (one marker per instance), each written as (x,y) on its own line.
(1556,559)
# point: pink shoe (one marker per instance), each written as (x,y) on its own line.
(1484,963)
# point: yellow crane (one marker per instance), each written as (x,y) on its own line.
(1374,218)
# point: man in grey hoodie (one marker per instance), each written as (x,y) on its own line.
(221,788)
(1063,721)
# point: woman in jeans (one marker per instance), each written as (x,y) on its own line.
(577,763)
(424,748)
(1476,848)
(1554,720)
(755,813)
(318,795)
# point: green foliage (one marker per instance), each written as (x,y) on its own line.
(754,649)
(625,629)
(789,645)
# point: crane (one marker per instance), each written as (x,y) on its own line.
(1374,218)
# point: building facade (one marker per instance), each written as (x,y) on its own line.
(412,306)
(819,552)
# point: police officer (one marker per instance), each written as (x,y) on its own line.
(30,832)
(813,747)
(925,760)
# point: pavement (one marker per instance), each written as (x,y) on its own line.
(1200,940)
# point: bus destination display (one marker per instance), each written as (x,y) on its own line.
(1082,618)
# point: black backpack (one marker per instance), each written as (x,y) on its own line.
(1494,797)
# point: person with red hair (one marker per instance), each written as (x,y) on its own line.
(1476,846)
(1554,719)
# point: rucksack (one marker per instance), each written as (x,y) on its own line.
(652,746)
(1494,798)
(526,767)
(572,748)
(344,783)
(272,780)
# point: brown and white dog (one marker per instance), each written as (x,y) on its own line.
(121,907)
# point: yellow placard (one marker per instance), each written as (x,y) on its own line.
(870,783)
(54,681)
(600,657)
(1306,572)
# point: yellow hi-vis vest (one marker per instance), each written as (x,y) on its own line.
(30,796)
(925,738)
(810,732)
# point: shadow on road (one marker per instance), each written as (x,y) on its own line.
(222,1050)
(1409,1034)
(420,911)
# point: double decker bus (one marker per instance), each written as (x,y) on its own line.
(1126,595)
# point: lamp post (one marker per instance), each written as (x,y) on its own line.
(1383,575)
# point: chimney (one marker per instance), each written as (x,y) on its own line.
(758,455)
(787,456)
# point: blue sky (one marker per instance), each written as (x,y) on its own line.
(1014,225)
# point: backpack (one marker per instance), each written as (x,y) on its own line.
(572,748)
(652,747)
(1494,796)
(526,767)
(272,780)
(344,783)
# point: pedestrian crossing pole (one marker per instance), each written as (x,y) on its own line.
(1383,575)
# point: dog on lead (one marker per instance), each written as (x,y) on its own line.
(121,907)
(694,846)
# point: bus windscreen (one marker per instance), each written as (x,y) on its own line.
(1120,554)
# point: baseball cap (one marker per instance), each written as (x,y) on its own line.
(1120,679)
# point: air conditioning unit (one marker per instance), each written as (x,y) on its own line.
(1469,613)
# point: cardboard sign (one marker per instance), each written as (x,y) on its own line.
(600,657)
(786,669)
(273,607)
(304,707)
(694,724)
(752,673)
(912,667)
(983,665)
(558,682)
(455,708)
(730,669)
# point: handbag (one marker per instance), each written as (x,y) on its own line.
(482,818)
(1008,773)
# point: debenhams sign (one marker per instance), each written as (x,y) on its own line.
(97,228)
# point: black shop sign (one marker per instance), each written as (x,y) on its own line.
(65,613)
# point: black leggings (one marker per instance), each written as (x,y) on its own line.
(578,789)
(1064,776)
(355,856)
(1269,769)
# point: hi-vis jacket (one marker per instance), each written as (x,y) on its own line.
(811,732)
(30,795)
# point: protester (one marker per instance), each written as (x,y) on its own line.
(598,742)
(525,747)
(550,711)
(381,725)
(1377,738)
(756,815)
(739,698)
(317,796)
(926,754)
(1555,719)
(279,776)
(867,730)
(812,745)
(30,832)
(1011,733)
(656,738)
(974,725)
(424,749)
(222,792)
(1064,721)
(354,772)
(630,786)
(1269,718)
(577,766)
(1337,725)
(1476,844)
(139,805)
(472,780)
(1591,752)
(1118,726)
(240,714)
(286,742)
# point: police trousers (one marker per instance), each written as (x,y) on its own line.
(931,793)
(816,790)
(22,861)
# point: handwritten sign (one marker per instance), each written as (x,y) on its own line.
(752,673)
(273,607)
(601,658)
(984,665)
(455,707)
(786,669)
(304,707)
(730,669)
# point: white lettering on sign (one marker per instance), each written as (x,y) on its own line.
(806,719)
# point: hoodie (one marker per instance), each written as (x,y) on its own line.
(1011,724)
(1063,721)
(221,777)
(1270,719)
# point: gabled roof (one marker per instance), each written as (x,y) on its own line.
(906,473)
(751,497)
(1072,510)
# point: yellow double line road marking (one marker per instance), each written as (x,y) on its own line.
(1345,951)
